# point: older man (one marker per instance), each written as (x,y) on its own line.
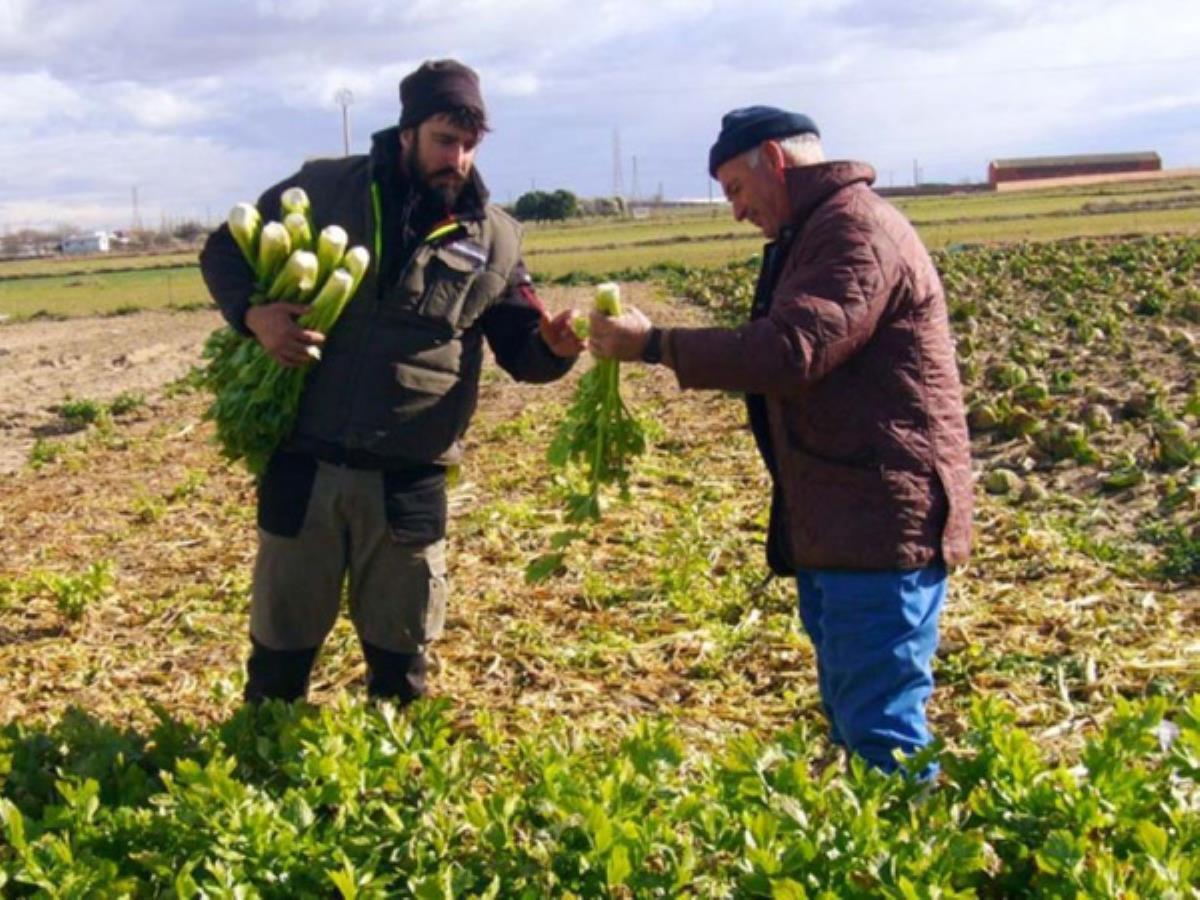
(848,368)
(357,493)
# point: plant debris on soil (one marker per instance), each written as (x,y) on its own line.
(125,549)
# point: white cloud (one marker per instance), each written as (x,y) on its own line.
(516,84)
(214,101)
(89,179)
(54,215)
(13,15)
(290,10)
(34,98)
(1156,104)
(155,108)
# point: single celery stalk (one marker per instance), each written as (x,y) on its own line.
(245,224)
(356,261)
(331,246)
(608,298)
(274,247)
(299,231)
(329,302)
(296,278)
(295,200)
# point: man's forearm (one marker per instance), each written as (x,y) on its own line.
(228,277)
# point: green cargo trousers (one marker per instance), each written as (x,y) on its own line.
(361,526)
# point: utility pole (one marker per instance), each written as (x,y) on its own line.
(618,188)
(344,98)
(136,224)
(633,188)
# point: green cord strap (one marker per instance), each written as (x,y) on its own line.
(377,207)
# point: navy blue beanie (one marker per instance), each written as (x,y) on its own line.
(746,128)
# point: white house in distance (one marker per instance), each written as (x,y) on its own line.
(93,242)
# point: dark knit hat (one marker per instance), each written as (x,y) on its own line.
(438,86)
(746,128)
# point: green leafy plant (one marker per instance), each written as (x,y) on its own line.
(366,801)
(74,594)
(126,402)
(82,412)
(598,431)
(45,452)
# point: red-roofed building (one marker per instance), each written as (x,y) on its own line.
(1038,167)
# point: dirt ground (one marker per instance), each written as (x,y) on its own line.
(43,363)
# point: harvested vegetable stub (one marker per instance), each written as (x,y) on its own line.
(599,432)
(1002,481)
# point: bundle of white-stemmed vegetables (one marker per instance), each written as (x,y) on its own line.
(256,399)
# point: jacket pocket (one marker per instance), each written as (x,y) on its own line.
(447,287)
(422,388)
(414,502)
(284,491)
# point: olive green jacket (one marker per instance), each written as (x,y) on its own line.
(399,373)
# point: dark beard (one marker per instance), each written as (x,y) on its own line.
(432,195)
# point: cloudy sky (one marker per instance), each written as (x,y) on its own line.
(195,105)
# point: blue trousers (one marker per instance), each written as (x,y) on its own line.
(875,634)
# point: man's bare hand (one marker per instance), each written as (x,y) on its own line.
(619,337)
(274,324)
(558,334)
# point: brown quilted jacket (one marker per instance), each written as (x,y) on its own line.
(849,363)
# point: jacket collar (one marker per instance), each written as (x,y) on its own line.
(387,170)
(810,186)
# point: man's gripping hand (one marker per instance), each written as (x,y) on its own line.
(274,324)
(558,334)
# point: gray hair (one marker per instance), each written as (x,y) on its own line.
(798,149)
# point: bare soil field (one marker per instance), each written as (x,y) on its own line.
(43,363)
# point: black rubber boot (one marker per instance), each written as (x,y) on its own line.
(277,674)
(395,676)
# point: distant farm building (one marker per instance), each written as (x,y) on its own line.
(1035,168)
(78,244)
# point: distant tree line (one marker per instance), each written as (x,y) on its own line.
(550,206)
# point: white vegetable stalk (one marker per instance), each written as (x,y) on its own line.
(295,200)
(608,298)
(297,277)
(299,231)
(245,223)
(355,262)
(274,246)
(328,304)
(331,246)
